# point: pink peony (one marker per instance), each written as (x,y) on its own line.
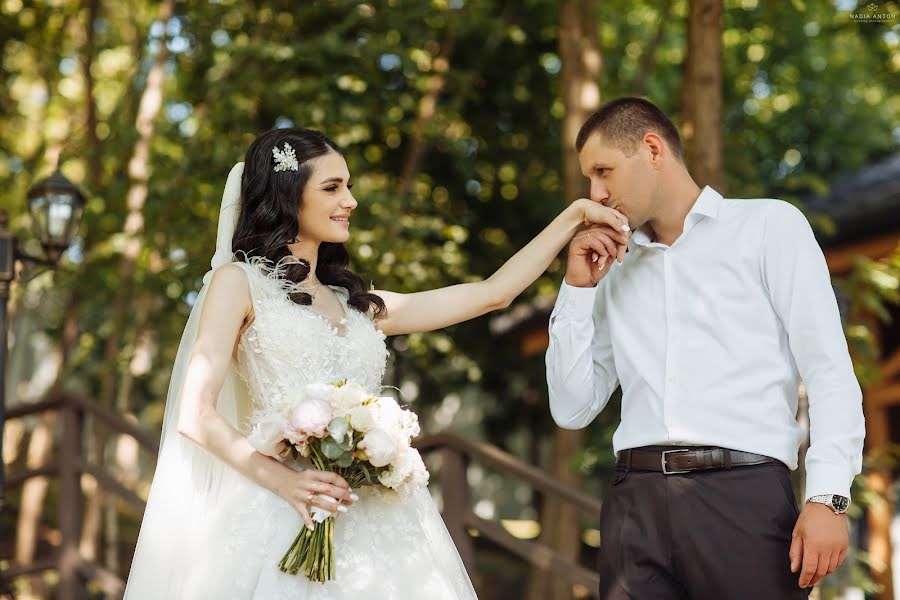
(268,436)
(308,418)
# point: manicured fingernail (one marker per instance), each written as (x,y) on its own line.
(342,508)
(595,259)
(354,497)
(310,527)
(626,228)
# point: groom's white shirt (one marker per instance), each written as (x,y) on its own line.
(709,339)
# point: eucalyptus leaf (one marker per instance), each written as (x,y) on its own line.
(331,449)
(345,460)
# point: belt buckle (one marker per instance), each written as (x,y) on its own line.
(665,469)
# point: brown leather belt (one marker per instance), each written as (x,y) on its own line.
(687,460)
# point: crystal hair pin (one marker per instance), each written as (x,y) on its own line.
(285,159)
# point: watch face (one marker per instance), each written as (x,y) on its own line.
(840,503)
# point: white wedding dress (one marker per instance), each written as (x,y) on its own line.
(387,548)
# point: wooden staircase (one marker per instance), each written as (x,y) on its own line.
(75,574)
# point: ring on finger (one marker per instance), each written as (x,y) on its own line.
(310,498)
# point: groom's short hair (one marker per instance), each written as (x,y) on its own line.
(624,122)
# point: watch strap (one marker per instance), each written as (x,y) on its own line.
(839,504)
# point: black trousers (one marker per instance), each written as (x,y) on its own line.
(714,535)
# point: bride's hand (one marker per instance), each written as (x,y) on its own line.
(305,489)
(594,213)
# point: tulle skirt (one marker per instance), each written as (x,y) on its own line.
(386,548)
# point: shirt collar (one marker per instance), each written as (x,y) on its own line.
(706,205)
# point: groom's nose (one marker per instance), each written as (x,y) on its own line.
(599,193)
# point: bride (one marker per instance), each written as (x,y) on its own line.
(279,309)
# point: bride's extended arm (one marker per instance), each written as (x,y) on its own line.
(434,309)
(227,304)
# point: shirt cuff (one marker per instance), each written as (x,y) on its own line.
(827,479)
(575,301)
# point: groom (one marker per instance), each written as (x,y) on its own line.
(719,309)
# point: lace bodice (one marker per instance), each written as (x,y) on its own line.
(289,345)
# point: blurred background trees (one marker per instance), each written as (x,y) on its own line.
(456,118)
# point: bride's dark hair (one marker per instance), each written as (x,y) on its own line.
(268,222)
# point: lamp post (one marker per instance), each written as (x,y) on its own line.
(55,205)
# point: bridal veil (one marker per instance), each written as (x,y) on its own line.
(176,543)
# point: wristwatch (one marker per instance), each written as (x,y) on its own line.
(839,504)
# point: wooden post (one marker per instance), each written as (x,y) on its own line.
(4,308)
(71,586)
(881,508)
(456,504)
(880,513)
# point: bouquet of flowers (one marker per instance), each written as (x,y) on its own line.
(340,428)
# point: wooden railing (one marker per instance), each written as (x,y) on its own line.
(456,453)
(74,570)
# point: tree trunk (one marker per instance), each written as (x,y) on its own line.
(579,53)
(648,60)
(426,110)
(95,164)
(580,56)
(138,174)
(34,491)
(701,94)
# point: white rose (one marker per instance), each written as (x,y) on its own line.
(347,397)
(407,474)
(390,413)
(380,447)
(411,423)
(364,418)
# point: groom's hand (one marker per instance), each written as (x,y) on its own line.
(591,252)
(819,543)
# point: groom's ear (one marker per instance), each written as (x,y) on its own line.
(657,148)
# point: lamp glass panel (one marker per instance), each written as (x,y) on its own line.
(59,218)
(39,217)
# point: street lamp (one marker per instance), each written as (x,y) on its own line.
(56,205)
